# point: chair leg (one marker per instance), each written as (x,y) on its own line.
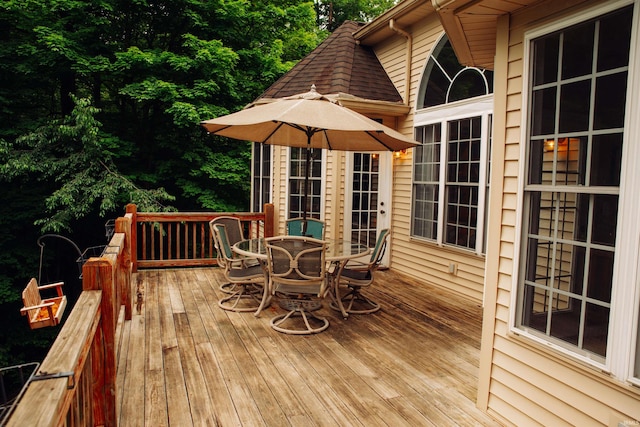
(228,288)
(354,302)
(298,311)
(250,294)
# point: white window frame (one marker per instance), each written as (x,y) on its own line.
(261,174)
(625,301)
(481,106)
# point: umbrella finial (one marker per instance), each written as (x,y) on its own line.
(313,87)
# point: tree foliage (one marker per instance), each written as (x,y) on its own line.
(331,14)
(100,104)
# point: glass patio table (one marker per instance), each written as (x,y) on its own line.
(338,252)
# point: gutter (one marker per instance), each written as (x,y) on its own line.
(407,65)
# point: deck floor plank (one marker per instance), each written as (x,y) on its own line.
(178,411)
(155,408)
(212,367)
(415,362)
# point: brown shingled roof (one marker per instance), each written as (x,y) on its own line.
(338,65)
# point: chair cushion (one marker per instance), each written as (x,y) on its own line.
(356,274)
(239,273)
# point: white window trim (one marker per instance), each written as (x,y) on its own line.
(482,107)
(620,353)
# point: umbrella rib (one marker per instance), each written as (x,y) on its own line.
(379,140)
(328,141)
(308,130)
(279,124)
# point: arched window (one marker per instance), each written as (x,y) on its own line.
(446,80)
(451,166)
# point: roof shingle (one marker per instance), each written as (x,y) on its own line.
(338,65)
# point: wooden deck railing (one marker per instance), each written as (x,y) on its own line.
(183,239)
(76,382)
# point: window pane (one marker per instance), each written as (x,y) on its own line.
(605,219)
(606,160)
(446,57)
(615,39)
(543,111)
(577,51)
(468,84)
(570,161)
(545,60)
(566,315)
(610,101)
(437,86)
(574,106)
(596,329)
(535,304)
(600,275)
(536,158)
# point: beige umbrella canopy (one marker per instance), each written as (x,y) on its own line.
(308,120)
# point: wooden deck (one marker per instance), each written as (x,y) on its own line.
(185,362)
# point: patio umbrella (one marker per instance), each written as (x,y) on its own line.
(308,120)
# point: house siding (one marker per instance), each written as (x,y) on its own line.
(523,383)
(421,259)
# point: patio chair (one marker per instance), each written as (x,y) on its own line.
(315,227)
(297,273)
(358,276)
(249,280)
(233,227)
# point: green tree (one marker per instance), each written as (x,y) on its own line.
(331,14)
(100,104)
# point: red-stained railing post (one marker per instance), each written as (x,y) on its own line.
(269,220)
(99,274)
(124,225)
(132,211)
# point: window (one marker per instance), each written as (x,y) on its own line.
(446,80)
(450,167)
(261,184)
(297,169)
(577,96)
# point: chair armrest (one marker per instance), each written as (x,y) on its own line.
(357,265)
(51,285)
(24,310)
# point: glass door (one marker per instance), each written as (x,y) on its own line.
(368,201)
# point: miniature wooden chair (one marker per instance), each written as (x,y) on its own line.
(43,312)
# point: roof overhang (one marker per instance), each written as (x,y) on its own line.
(471,26)
(372,108)
(404,14)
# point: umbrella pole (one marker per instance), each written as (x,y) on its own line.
(305,197)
